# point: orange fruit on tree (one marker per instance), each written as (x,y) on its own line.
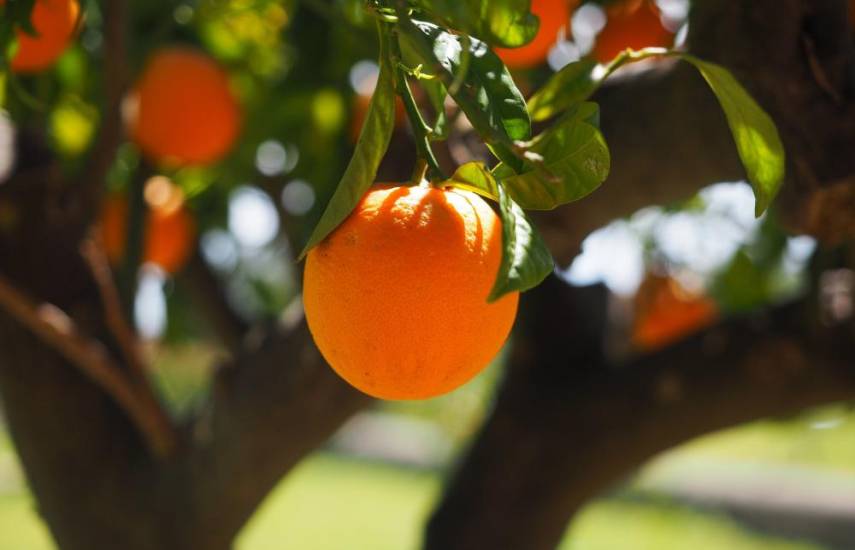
(666,312)
(633,24)
(170,231)
(182,110)
(396,296)
(55,23)
(554,15)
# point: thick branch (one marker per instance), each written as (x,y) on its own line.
(568,424)
(59,332)
(271,406)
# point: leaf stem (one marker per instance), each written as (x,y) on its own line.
(500,144)
(421,131)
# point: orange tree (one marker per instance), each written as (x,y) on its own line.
(107,461)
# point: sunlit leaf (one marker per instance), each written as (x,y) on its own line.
(757,140)
(754,132)
(475,177)
(507,23)
(575,162)
(373,142)
(572,84)
(525,259)
(479,82)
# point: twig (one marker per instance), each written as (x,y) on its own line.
(51,325)
(92,251)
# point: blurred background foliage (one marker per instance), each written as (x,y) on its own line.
(299,69)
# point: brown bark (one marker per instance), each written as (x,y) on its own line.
(95,481)
(568,424)
(668,136)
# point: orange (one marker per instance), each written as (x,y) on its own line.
(633,24)
(666,312)
(55,23)
(182,110)
(554,15)
(396,296)
(170,231)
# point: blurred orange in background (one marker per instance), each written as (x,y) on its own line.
(55,23)
(182,110)
(666,312)
(554,15)
(633,24)
(170,231)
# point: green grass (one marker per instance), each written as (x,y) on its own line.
(20,527)
(329,503)
(620,525)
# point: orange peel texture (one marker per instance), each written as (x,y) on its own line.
(396,296)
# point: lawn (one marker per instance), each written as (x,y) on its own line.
(330,502)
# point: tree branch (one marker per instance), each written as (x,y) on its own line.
(569,423)
(272,405)
(668,136)
(93,252)
(58,331)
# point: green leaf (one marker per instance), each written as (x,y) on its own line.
(757,140)
(525,259)
(575,162)
(475,177)
(373,142)
(571,85)
(754,132)
(478,81)
(506,23)
(436,94)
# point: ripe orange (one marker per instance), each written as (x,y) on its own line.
(170,231)
(55,23)
(396,296)
(666,312)
(182,110)
(631,24)
(553,14)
